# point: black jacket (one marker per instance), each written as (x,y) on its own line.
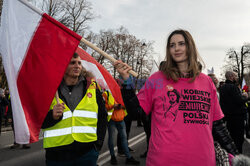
(231,100)
(220,132)
(76,149)
(3,103)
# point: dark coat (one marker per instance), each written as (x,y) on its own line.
(3,103)
(231,100)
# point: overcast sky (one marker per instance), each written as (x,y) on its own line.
(216,25)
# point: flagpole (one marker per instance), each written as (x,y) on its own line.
(57,97)
(104,54)
(25,2)
(156,64)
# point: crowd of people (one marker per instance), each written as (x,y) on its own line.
(187,115)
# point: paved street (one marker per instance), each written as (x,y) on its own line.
(35,155)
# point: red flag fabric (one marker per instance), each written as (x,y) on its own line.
(36,50)
(245,88)
(103,77)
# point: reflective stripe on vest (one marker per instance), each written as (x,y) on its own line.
(69,130)
(67,114)
(86,114)
(79,113)
(83,129)
(57,132)
(81,125)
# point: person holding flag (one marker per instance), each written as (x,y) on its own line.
(185,138)
(75,127)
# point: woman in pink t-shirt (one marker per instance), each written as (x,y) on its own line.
(186,114)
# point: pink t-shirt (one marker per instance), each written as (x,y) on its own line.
(182,118)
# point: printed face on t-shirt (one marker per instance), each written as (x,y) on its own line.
(191,105)
(172,97)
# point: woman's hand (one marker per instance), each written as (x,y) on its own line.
(58,111)
(122,69)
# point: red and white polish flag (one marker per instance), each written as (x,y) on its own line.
(36,50)
(102,76)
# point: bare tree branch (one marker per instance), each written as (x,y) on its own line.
(238,61)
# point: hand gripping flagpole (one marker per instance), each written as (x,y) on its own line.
(104,54)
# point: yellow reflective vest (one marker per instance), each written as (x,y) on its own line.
(79,125)
(109,103)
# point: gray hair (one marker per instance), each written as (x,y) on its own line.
(229,74)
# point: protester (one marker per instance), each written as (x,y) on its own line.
(128,122)
(146,120)
(74,129)
(247,128)
(222,157)
(233,106)
(7,96)
(9,117)
(216,83)
(3,103)
(214,79)
(116,121)
(186,137)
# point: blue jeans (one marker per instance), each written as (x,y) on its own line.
(120,126)
(88,159)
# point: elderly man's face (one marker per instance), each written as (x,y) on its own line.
(235,77)
(74,68)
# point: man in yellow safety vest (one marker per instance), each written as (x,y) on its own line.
(74,129)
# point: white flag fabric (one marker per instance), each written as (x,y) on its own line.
(36,50)
(102,76)
(243,83)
